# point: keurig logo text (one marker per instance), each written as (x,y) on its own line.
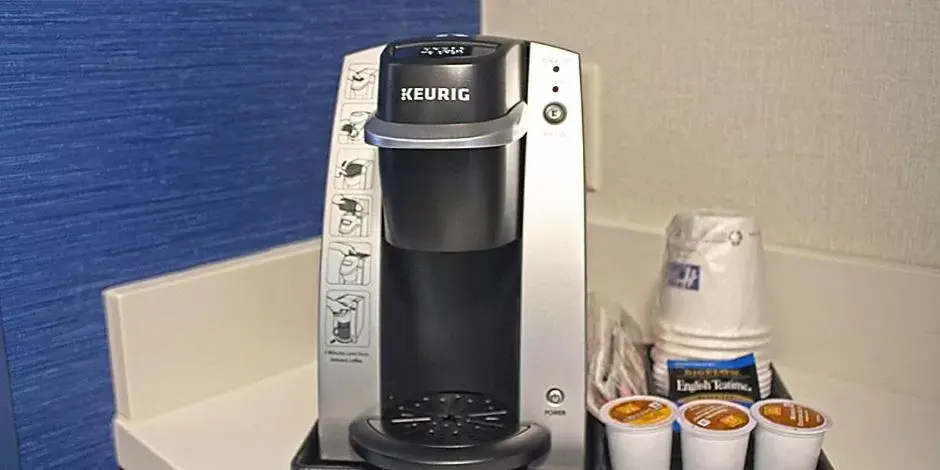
(434,94)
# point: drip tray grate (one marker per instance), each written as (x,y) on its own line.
(449,419)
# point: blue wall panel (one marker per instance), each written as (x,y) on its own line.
(141,137)
(9,453)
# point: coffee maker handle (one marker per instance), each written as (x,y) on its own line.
(498,132)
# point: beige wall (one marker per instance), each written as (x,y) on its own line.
(821,117)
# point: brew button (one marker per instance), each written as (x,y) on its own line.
(555,396)
(555,113)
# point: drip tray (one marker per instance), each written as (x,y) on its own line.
(449,419)
(448,446)
(435,430)
(528,444)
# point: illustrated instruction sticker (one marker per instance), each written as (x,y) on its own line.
(349,264)
(355,169)
(360,83)
(350,215)
(348,321)
(352,122)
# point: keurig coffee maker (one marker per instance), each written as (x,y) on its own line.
(452,292)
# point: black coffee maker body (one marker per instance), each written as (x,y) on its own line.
(458,286)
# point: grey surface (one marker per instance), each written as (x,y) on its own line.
(552,353)
(498,132)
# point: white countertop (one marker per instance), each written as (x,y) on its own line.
(258,427)
(872,429)
(261,427)
(237,390)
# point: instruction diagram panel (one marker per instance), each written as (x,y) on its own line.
(348,320)
(349,264)
(350,216)
(361,81)
(352,122)
(355,170)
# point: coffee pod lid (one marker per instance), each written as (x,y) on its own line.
(639,413)
(715,419)
(789,417)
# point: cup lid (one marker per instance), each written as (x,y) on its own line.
(790,417)
(715,419)
(639,413)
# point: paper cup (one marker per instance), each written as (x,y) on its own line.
(789,435)
(727,351)
(713,275)
(669,351)
(715,435)
(719,344)
(658,356)
(702,332)
(639,432)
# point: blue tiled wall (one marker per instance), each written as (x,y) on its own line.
(140,137)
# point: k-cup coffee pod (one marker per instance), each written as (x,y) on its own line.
(639,432)
(789,435)
(715,434)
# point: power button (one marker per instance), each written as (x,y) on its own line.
(555,113)
(555,397)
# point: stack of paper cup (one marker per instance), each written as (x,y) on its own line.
(711,303)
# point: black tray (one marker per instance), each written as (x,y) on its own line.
(308,456)
(599,458)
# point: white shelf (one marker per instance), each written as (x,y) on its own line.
(257,427)
(215,367)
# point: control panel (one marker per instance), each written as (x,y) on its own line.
(554,287)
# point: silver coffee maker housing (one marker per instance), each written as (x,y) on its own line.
(545,129)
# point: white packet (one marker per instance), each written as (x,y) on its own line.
(616,357)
